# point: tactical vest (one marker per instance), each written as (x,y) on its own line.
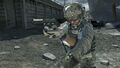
(76,31)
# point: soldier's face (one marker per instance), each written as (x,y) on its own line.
(74,22)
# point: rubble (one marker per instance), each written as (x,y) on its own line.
(104,62)
(45,44)
(49,56)
(116,46)
(34,46)
(109,25)
(17,47)
(3,53)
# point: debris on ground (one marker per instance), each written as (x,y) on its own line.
(17,47)
(49,56)
(4,53)
(116,46)
(45,44)
(31,48)
(105,62)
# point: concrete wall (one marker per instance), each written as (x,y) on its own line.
(2,15)
(10,12)
(101,9)
(40,9)
(118,9)
(20,13)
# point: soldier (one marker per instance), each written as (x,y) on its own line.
(82,54)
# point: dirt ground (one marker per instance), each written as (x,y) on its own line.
(31,50)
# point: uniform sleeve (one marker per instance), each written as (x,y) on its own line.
(63,29)
(84,44)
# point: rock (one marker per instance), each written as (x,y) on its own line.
(45,44)
(16,47)
(105,62)
(3,53)
(109,25)
(116,46)
(49,56)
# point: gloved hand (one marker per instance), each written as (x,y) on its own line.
(69,61)
(77,54)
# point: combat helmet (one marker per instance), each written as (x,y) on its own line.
(73,11)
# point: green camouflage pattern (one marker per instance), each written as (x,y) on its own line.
(83,52)
(73,11)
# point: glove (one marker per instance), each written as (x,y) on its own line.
(77,54)
(69,61)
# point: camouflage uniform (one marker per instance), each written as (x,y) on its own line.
(83,52)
